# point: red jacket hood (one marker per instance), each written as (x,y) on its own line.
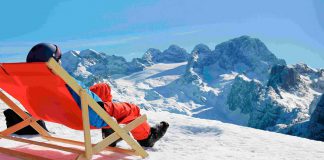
(103,91)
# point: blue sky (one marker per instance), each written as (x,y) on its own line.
(293,30)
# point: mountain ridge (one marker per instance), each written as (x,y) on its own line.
(239,82)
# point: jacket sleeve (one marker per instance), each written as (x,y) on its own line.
(95,119)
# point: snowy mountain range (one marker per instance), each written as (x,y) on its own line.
(239,81)
(91,66)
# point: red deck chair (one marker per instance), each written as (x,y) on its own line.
(41,89)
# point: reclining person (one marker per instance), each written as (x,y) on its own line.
(124,112)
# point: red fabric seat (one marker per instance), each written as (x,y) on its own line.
(43,94)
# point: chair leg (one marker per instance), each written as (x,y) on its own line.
(18,126)
(22,114)
(113,137)
(57,69)
(114,125)
(86,125)
(81,157)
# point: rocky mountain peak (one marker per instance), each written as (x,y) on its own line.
(173,54)
(284,77)
(304,69)
(242,55)
(201,49)
(175,48)
(247,52)
(150,53)
(90,53)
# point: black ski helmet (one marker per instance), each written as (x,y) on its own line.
(42,52)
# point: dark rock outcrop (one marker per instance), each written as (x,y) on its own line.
(284,77)
(316,126)
(174,54)
(243,55)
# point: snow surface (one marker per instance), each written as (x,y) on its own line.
(189,138)
(141,87)
(163,87)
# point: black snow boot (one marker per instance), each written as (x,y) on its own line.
(106,132)
(157,132)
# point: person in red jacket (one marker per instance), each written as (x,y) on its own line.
(124,112)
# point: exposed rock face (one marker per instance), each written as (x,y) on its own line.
(201,49)
(138,64)
(150,55)
(70,60)
(90,66)
(244,95)
(254,99)
(284,77)
(244,55)
(304,69)
(245,52)
(285,104)
(316,126)
(173,54)
(200,58)
(318,114)
(210,81)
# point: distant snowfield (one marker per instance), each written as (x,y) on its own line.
(155,89)
(154,76)
(189,138)
(140,88)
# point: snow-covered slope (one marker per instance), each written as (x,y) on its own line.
(90,66)
(139,88)
(252,103)
(191,139)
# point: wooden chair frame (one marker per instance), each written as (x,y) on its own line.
(86,101)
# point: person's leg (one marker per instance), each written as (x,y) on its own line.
(156,134)
(124,113)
